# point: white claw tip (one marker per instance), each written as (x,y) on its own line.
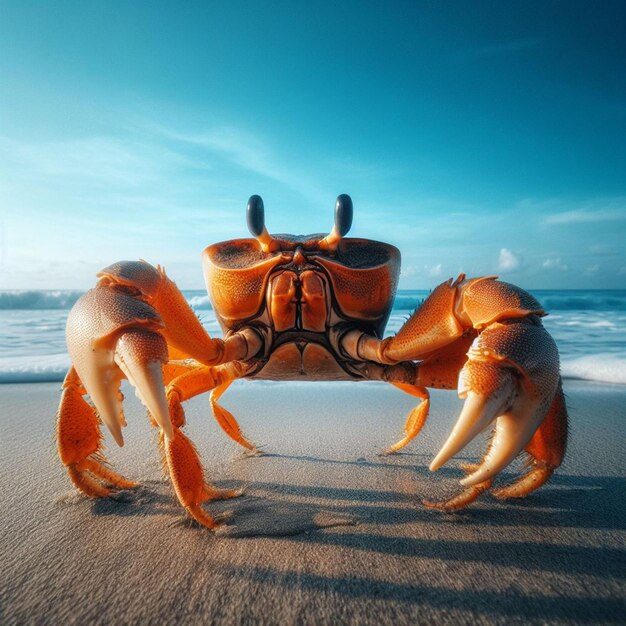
(475,478)
(434,466)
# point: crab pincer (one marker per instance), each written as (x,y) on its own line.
(309,307)
(114,332)
(509,375)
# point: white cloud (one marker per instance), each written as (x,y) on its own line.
(508,261)
(555,264)
(435,270)
(589,214)
(592,269)
(430,270)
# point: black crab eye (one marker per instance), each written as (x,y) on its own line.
(255,215)
(343,214)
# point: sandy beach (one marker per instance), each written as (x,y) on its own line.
(328,532)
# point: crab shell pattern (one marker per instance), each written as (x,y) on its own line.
(308,308)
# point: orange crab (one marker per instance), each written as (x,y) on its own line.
(308,308)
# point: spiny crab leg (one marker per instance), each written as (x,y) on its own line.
(463,499)
(215,379)
(509,376)
(127,327)
(416,418)
(187,475)
(79,442)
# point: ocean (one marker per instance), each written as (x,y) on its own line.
(589,327)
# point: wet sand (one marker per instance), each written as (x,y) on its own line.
(328,531)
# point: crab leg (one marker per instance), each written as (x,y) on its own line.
(439,371)
(79,441)
(217,379)
(416,418)
(187,476)
(546,450)
(127,327)
(227,420)
(183,462)
(461,500)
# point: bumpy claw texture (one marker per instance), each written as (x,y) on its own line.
(509,377)
(127,327)
(111,335)
(486,300)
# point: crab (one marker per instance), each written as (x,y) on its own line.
(308,308)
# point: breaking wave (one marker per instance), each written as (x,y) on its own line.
(15,299)
(406,300)
(605,368)
(589,328)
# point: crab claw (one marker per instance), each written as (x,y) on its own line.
(140,354)
(512,376)
(111,335)
(477,414)
(512,433)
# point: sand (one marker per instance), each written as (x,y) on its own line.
(328,531)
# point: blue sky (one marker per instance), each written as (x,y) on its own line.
(487,137)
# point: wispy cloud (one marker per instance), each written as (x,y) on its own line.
(110,160)
(247,151)
(589,212)
(410,271)
(555,264)
(435,270)
(586,216)
(508,261)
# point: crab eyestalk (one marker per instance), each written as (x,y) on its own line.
(343,222)
(255,215)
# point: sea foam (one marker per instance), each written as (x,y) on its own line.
(607,368)
(589,328)
(34,369)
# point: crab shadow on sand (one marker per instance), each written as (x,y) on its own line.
(275,509)
(299,514)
